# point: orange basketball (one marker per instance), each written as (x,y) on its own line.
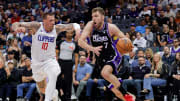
(124,45)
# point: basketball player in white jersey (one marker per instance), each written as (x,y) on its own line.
(44,63)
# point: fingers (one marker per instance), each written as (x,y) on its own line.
(97,50)
(20,30)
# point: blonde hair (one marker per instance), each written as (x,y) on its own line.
(149,50)
(165,30)
(98,9)
(159,65)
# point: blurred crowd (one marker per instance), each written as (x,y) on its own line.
(152,25)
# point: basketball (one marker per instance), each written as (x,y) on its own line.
(124,45)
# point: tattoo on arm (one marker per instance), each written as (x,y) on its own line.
(64,27)
(28,25)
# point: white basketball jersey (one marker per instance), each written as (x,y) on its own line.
(43,45)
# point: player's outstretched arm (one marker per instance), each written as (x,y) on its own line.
(23,26)
(68,27)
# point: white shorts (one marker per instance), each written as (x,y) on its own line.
(41,69)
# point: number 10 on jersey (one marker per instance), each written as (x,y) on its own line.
(44,46)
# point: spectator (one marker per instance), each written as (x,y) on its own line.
(175,48)
(80,78)
(151,4)
(162,19)
(65,16)
(132,3)
(139,5)
(171,37)
(145,11)
(163,2)
(167,57)
(149,55)
(162,37)
(10,56)
(176,74)
(49,8)
(133,12)
(3,78)
(132,32)
(117,15)
(21,63)
(139,42)
(132,56)
(136,76)
(149,37)
(14,47)
(177,18)
(141,28)
(178,33)
(148,19)
(174,1)
(155,28)
(15,18)
(11,81)
(172,24)
(140,53)
(168,12)
(175,8)
(27,82)
(157,77)
(13,35)
(26,43)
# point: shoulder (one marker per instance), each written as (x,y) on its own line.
(89,24)
(88,65)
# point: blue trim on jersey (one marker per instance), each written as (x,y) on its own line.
(117,58)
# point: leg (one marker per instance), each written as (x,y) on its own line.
(32,86)
(80,88)
(68,79)
(2,90)
(52,70)
(126,83)
(89,87)
(42,86)
(147,85)
(20,89)
(107,75)
(138,86)
(101,83)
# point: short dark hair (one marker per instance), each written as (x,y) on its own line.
(98,9)
(46,14)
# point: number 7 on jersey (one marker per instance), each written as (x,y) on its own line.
(44,46)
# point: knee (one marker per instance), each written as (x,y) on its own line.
(105,74)
(33,85)
(19,86)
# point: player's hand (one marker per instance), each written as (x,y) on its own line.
(97,50)
(76,82)
(20,30)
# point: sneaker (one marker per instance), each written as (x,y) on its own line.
(144,91)
(55,96)
(129,97)
(7,99)
(73,97)
(1,99)
(102,88)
